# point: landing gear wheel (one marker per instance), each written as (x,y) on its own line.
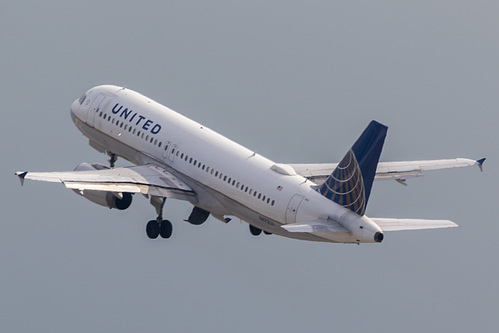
(255,231)
(165,229)
(267,233)
(152,229)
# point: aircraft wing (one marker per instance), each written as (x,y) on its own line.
(412,224)
(147,179)
(399,171)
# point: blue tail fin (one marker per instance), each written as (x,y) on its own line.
(350,183)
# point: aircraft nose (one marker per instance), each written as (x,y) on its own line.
(78,109)
(74,107)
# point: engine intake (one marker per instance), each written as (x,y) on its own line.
(115,200)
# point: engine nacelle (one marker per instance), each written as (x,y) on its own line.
(119,201)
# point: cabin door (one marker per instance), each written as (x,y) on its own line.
(293,205)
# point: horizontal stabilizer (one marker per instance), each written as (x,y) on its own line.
(315,226)
(412,224)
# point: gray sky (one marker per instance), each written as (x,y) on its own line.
(297,83)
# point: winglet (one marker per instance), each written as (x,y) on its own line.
(21,176)
(480,163)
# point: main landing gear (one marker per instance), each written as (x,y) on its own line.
(155,228)
(159,227)
(112,159)
(256,231)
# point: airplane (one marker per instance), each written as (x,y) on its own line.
(176,157)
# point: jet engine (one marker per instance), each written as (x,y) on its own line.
(116,200)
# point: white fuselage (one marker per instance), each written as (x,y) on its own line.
(228,178)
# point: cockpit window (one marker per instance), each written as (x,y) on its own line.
(82,99)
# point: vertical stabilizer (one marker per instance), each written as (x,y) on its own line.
(350,183)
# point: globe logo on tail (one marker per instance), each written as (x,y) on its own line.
(345,185)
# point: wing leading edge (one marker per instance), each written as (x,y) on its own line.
(145,179)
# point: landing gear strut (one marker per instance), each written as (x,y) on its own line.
(159,227)
(112,158)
